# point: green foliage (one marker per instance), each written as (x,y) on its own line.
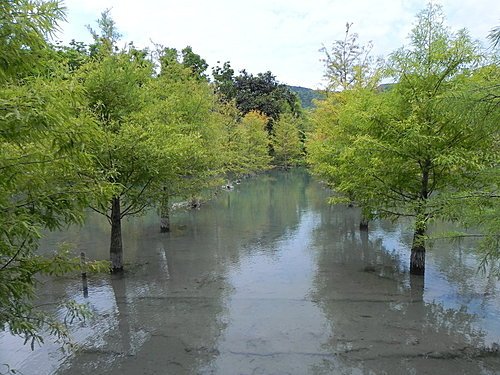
(194,62)
(24,27)
(171,62)
(46,175)
(287,146)
(255,141)
(73,56)
(415,149)
(261,93)
(113,87)
(477,205)
(181,118)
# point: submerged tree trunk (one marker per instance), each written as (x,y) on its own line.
(164,216)
(417,258)
(116,247)
(417,289)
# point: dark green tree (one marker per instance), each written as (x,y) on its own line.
(224,81)
(195,62)
(261,93)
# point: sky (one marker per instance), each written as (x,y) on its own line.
(281,36)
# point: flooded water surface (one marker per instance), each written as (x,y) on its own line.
(269,279)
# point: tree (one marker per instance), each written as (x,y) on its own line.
(234,141)
(477,205)
(349,64)
(255,142)
(400,152)
(47,176)
(183,109)
(159,134)
(115,89)
(194,62)
(287,145)
(261,93)
(224,81)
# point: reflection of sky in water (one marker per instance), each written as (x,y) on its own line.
(49,356)
(472,292)
(260,273)
(270,312)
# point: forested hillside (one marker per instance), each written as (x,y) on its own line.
(307,95)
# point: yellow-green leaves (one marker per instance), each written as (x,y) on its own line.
(287,146)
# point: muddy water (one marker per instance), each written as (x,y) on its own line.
(268,279)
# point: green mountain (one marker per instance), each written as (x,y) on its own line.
(306,95)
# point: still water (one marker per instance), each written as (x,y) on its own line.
(269,279)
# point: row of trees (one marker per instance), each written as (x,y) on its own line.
(424,147)
(120,130)
(116,130)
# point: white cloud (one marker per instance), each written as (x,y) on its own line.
(283,36)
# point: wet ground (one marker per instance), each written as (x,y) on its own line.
(269,279)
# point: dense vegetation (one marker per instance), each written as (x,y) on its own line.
(119,130)
(425,147)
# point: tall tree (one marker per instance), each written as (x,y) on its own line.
(160,137)
(348,66)
(114,84)
(183,110)
(401,151)
(46,174)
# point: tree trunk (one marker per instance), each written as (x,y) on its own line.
(116,247)
(365,218)
(417,258)
(164,216)
(363,224)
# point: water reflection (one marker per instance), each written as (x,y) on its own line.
(268,279)
(387,321)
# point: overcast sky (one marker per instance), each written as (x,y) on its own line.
(283,36)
